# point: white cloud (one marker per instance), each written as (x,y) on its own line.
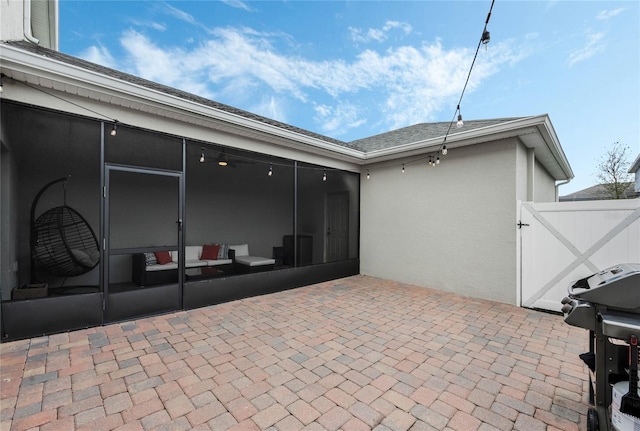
(592,47)
(151,24)
(378,34)
(99,55)
(271,107)
(607,14)
(167,66)
(410,84)
(238,4)
(338,118)
(181,15)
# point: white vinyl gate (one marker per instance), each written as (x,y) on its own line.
(561,242)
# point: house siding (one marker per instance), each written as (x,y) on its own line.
(449,227)
(12,13)
(545,190)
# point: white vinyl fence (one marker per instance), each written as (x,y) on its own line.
(561,242)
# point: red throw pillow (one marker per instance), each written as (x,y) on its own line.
(210,252)
(163,257)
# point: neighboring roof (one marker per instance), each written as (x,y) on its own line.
(421,132)
(28,62)
(598,192)
(635,166)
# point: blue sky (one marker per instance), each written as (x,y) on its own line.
(352,69)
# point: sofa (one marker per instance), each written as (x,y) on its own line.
(161,267)
(244,263)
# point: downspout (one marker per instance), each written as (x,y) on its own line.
(562,183)
(27,23)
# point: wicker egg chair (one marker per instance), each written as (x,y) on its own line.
(62,242)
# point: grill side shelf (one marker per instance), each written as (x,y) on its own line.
(620,325)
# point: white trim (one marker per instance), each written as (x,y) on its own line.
(27,23)
(535,131)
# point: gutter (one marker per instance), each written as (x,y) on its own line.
(27,23)
(561,183)
(29,63)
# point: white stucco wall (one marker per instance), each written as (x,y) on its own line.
(12,13)
(450,227)
(545,190)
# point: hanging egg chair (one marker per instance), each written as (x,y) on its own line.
(62,242)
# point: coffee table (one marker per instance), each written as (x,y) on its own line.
(202,273)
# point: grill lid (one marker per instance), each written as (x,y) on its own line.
(616,287)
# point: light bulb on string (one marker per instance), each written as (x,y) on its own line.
(270,169)
(438,160)
(324,176)
(444,149)
(202,156)
(368,174)
(113,129)
(459,123)
(403,168)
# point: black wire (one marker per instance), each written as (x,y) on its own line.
(468,75)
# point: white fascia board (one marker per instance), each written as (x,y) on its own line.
(548,133)
(47,68)
(455,140)
(535,125)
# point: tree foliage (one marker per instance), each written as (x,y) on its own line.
(613,170)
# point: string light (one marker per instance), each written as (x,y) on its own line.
(270,169)
(1,86)
(438,160)
(403,168)
(324,176)
(202,156)
(114,128)
(484,40)
(368,174)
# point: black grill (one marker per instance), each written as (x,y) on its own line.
(607,303)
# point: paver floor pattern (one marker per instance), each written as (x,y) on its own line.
(352,354)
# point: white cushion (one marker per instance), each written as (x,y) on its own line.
(194,263)
(241,249)
(217,262)
(255,261)
(158,267)
(191,252)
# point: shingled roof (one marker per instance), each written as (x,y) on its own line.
(599,192)
(68,59)
(421,132)
(414,134)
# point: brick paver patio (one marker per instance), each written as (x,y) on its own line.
(352,354)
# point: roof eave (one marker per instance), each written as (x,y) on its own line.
(28,63)
(528,127)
